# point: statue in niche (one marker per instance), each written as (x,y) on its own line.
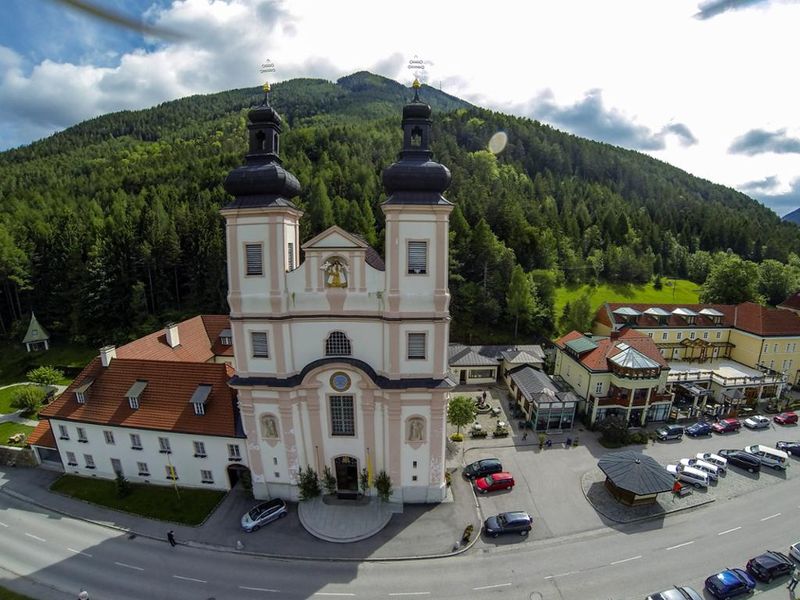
(335,273)
(269,427)
(416,430)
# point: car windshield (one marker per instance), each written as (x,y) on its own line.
(501,519)
(254,514)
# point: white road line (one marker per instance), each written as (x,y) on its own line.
(79,552)
(680,545)
(3,524)
(333,594)
(190,579)
(36,537)
(729,531)
(410,594)
(256,589)
(771,517)
(561,574)
(489,587)
(624,560)
(127,566)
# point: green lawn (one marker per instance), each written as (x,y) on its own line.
(6,395)
(152,501)
(9,429)
(6,594)
(677,291)
(15,361)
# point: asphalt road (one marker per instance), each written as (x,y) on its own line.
(619,563)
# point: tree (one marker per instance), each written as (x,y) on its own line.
(363,481)
(519,298)
(122,485)
(328,480)
(29,399)
(308,482)
(775,281)
(44,375)
(383,485)
(460,411)
(731,281)
(577,315)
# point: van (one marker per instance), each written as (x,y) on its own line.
(669,432)
(696,477)
(769,457)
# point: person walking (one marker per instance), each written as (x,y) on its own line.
(171,538)
(525,435)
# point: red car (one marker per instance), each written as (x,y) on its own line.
(726,425)
(495,481)
(787,418)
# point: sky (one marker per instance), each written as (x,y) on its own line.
(710,86)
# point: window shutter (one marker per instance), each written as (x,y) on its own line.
(260,344)
(416,345)
(255,260)
(290,251)
(417,258)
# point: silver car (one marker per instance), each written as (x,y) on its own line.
(712,470)
(757,422)
(676,593)
(264,513)
(714,459)
(696,477)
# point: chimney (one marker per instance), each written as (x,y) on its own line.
(171,330)
(106,354)
(614,335)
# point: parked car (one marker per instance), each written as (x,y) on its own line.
(508,522)
(482,468)
(714,459)
(496,481)
(676,593)
(769,457)
(264,513)
(742,459)
(794,551)
(792,448)
(726,425)
(730,583)
(710,469)
(698,429)
(786,418)
(769,565)
(691,475)
(756,422)
(669,432)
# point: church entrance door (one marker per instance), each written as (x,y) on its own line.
(346,474)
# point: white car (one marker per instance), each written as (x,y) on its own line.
(712,470)
(714,459)
(691,475)
(757,422)
(794,551)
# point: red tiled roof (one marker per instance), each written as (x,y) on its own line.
(606,312)
(792,301)
(164,403)
(42,435)
(597,359)
(761,320)
(197,336)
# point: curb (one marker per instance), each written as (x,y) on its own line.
(228,550)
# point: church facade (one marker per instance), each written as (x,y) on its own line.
(341,359)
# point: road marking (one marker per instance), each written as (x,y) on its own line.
(729,531)
(36,537)
(489,587)
(78,552)
(410,594)
(561,574)
(624,560)
(333,594)
(4,525)
(190,579)
(255,589)
(680,545)
(771,517)
(127,566)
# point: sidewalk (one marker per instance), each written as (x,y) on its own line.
(419,531)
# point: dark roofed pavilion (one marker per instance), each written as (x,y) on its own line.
(633,478)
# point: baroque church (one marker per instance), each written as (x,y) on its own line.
(341,358)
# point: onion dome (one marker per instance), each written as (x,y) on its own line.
(416,178)
(262,180)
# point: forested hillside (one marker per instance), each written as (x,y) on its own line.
(112,226)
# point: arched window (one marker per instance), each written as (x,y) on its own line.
(337,344)
(269,427)
(262,140)
(416,137)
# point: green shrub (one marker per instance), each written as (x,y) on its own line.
(363,481)
(457,437)
(448,478)
(29,399)
(45,375)
(383,485)
(123,487)
(328,480)
(308,482)
(479,434)
(465,537)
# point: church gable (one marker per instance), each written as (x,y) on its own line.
(334,237)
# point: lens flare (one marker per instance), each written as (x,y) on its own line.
(498,142)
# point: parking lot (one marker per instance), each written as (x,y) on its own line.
(548,482)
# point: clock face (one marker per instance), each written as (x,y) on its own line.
(340,381)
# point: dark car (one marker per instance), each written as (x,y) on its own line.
(769,565)
(698,429)
(508,522)
(669,432)
(676,593)
(730,583)
(264,513)
(786,418)
(792,448)
(741,459)
(726,425)
(482,468)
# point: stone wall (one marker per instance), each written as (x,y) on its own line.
(20,457)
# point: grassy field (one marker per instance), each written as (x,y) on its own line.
(677,291)
(9,429)
(6,395)
(15,361)
(152,501)
(6,594)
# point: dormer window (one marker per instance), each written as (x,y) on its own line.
(82,390)
(337,344)
(135,392)
(225,337)
(80,397)
(200,398)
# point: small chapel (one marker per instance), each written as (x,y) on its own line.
(341,356)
